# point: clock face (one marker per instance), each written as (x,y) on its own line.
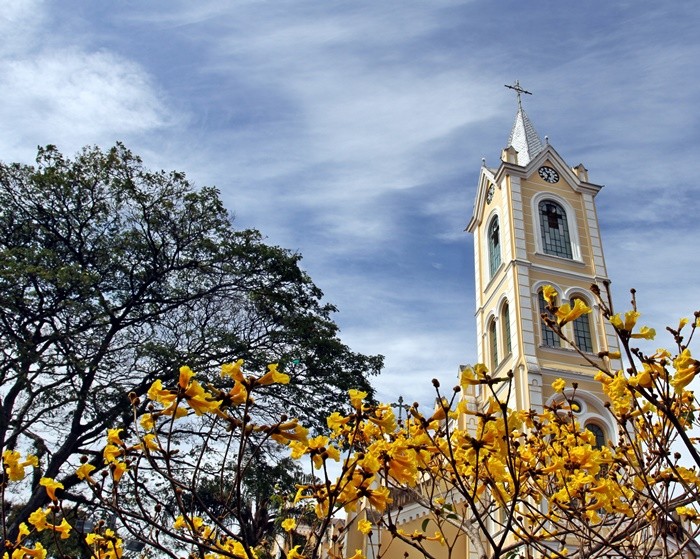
(489,194)
(548,174)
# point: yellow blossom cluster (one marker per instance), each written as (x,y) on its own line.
(536,475)
(152,446)
(40,520)
(15,466)
(105,544)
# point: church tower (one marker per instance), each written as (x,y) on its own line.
(534,224)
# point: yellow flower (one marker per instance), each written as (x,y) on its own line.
(63,528)
(379,498)
(158,394)
(37,553)
(232,548)
(38,519)
(630,320)
(298,448)
(384,418)
(481,370)
(358,555)
(111,453)
(441,409)
(689,513)
(294,553)
(273,376)
(549,294)
(151,442)
(319,448)
(22,532)
(356,398)
(468,378)
(289,431)
(106,545)
(118,469)
(147,422)
(238,394)
(84,471)
(113,436)
(233,370)
(301,493)
(364,526)
(51,487)
(559,385)
(686,369)
(14,466)
(289,524)
(645,333)
(335,421)
(566,314)
(186,375)
(200,400)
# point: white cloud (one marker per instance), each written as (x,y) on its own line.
(73,98)
(20,21)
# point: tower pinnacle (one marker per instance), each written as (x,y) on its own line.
(523,136)
(516,87)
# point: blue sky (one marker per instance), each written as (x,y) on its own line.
(353,133)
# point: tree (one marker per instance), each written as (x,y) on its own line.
(515,484)
(111,277)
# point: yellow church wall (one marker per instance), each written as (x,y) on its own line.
(591,385)
(355,539)
(492,303)
(531,188)
(491,209)
(394,548)
(564,360)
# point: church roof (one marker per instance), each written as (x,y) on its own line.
(524,138)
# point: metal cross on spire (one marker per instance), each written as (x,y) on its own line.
(516,87)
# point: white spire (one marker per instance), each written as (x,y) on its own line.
(523,137)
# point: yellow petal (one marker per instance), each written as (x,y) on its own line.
(233,370)
(84,471)
(51,486)
(185,375)
(273,376)
(559,385)
(549,294)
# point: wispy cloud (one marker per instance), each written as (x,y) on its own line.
(67,95)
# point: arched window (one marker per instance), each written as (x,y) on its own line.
(598,433)
(549,338)
(555,229)
(582,330)
(493,344)
(505,319)
(494,241)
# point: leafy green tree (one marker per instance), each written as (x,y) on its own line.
(112,276)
